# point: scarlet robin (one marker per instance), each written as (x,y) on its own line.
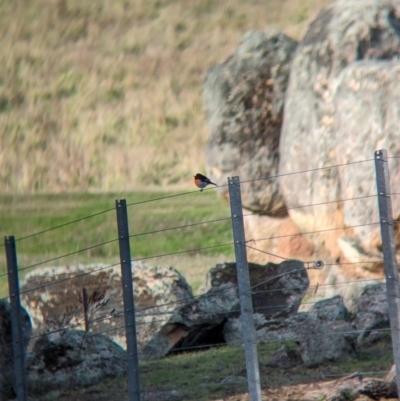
(202,181)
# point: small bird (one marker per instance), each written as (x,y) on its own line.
(202,181)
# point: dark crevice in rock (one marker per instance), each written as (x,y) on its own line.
(374,47)
(55,356)
(204,336)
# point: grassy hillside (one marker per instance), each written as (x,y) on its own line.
(106,94)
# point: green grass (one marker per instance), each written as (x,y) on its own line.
(24,215)
(197,376)
(205,370)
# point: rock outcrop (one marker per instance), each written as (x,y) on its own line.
(47,292)
(285,357)
(340,110)
(372,313)
(198,324)
(367,112)
(277,291)
(244,99)
(323,334)
(341,104)
(68,358)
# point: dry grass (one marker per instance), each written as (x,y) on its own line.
(106,94)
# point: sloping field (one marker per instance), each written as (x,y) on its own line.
(106,95)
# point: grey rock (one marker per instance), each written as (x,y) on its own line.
(344,32)
(371,90)
(319,340)
(196,324)
(375,336)
(322,341)
(233,334)
(244,100)
(285,357)
(158,291)
(372,311)
(277,289)
(72,358)
(332,309)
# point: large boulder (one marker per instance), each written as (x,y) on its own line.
(276,291)
(339,111)
(332,309)
(197,324)
(47,292)
(279,236)
(7,379)
(323,334)
(244,99)
(367,102)
(68,358)
(372,313)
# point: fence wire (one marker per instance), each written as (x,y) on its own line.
(166,312)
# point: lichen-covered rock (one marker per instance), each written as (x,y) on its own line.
(332,309)
(68,358)
(372,311)
(338,110)
(319,339)
(276,291)
(367,103)
(244,99)
(198,323)
(47,292)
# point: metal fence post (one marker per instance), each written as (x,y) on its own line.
(129,306)
(389,252)
(246,304)
(16,328)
